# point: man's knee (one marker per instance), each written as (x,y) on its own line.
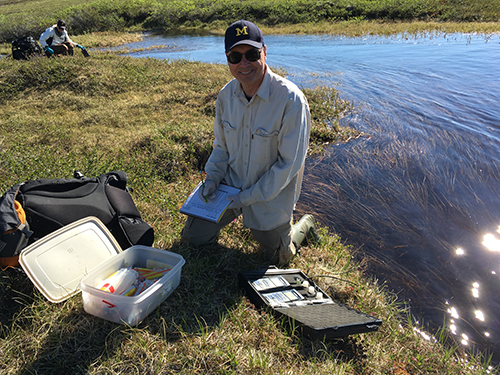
(60,49)
(198,232)
(194,240)
(195,233)
(275,242)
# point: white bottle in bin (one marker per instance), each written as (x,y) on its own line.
(120,281)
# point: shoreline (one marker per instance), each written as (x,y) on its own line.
(351,29)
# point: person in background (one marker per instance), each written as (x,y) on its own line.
(262,127)
(55,40)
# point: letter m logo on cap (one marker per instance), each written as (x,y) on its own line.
(242,31)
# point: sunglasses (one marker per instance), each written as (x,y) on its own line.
(251,55)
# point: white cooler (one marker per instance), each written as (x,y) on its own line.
(82,254)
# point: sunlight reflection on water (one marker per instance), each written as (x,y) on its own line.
(419,197)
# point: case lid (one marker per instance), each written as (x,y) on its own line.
(57,262)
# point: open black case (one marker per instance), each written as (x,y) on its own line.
(294,296)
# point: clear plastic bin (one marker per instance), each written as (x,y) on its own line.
(131,310)
(81,254)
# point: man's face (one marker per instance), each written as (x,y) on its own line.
(248,73)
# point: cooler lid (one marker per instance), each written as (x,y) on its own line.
(57,262)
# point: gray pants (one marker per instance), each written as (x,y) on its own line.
(198,232)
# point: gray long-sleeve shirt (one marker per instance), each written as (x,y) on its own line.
(260,147)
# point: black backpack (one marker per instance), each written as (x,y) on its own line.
(50,204)
(24,47)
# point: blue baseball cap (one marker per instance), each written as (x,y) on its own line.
(243,32)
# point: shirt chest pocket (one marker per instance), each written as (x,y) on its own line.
(231,136)
(265,146)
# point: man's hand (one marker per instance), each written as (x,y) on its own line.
(49,50)
(236,201)
(206,193)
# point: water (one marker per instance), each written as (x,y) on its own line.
(418,196)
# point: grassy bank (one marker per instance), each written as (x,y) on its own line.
(153,119)
(24,17)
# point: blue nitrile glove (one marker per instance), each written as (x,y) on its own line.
(236,201)
(49,50)
(206,193)
(84,51)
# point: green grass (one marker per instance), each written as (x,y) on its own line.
(153,119)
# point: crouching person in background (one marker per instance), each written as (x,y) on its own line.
(56,41)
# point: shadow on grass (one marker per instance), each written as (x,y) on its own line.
(72,341)
(62,338)
(16,292)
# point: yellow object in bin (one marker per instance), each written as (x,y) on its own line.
(120,281)
(130,291)
(131,281)
(151,274)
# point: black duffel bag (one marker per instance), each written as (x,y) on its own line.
(50,204)
(24,47)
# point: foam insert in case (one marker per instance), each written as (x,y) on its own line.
(292,295)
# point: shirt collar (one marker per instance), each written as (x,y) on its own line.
(264,91)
